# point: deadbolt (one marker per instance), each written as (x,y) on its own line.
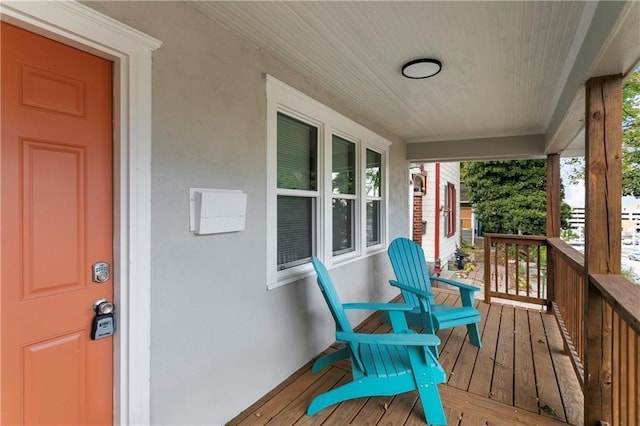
(101,272)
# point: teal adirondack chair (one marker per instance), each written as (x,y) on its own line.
(381,364)
(413,280)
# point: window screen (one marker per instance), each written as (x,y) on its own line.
(343,178)
(373,184)
(297,158)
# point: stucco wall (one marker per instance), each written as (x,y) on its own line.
(219,339)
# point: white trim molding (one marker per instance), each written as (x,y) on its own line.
(130,50)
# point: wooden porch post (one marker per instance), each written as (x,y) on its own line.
(603,176)
(553,220)
(553,195)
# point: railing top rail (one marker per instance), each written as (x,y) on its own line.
(622,295)
(574,258)
(517,239)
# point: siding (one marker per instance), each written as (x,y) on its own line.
(449,172)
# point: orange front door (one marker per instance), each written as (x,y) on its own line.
(55,223)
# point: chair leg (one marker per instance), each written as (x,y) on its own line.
(432,405)
(351,390)
(474,334)
(328,359)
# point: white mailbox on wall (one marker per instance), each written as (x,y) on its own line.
(214,211)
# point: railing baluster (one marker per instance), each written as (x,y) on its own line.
(496,268)
(528,254)
(506,268)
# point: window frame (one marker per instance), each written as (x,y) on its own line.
(303,193)
(379,198)
(282,98)
(355,197)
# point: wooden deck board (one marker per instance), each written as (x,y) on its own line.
(522,351)
(502,383)
(525,395)
(549,398)
(572,398)
(480,382)
(398,411)
(298,407)
(461,373)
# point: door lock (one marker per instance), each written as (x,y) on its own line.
(101,272)
(103,324)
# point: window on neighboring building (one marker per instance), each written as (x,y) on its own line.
(325,186)
(297,191)
(450,210)
(344,184)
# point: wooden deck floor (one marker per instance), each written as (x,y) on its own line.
(519,376)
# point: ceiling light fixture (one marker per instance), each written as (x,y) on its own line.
(421,68)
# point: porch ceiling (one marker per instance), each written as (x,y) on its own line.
(511,84)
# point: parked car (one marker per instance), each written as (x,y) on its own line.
(635,256)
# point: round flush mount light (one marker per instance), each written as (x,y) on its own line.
(421,68)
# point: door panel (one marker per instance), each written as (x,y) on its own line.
(69,379)
(55,222)
(55,211)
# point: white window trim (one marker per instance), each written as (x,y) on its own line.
(86,29)
(285,99)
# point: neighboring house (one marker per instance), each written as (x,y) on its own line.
(468,225)
(299,106)
(436,201)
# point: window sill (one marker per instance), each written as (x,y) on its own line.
(309,272)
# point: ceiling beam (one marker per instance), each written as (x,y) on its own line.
(500,148)
(567,118)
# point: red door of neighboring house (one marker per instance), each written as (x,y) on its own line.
(55,223)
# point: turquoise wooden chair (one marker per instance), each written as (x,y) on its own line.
(381,364)
(413,280)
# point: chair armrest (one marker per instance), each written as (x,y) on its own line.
(378,306)
(412,339)
(455,284)
(412,290)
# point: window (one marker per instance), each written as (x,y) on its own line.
(326,186)
(450,210)
(343,182)
(373,173)
(297,190)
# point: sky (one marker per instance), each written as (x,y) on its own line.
(574,194)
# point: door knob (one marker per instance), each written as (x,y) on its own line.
(103,306)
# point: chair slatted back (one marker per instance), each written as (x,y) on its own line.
(335,306)
(410,267)
(331,296)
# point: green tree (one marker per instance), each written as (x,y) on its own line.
(630,140)
(510,196)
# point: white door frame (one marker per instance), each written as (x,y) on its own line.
(130,50)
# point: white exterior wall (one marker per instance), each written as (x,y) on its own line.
(219,339)
(429,212)
(449,172)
